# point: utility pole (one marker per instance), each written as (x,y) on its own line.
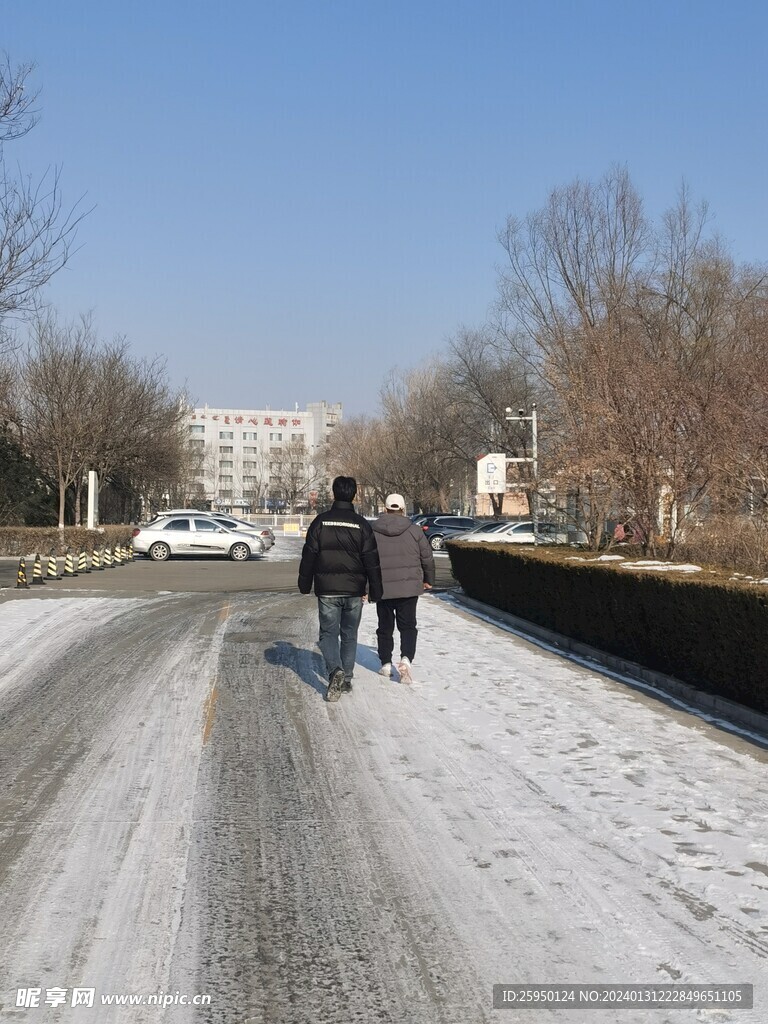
(534,460)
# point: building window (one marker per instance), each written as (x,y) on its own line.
(249,435)
(225,481)
(250,451)
(225,494)
(197,428)
(275,437)
(250,480)
(197,445)
(297,437)
(226,449)
(226,435)
(226,464)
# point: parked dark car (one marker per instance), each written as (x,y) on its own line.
(439,528)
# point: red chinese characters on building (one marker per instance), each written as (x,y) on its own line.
(226,419)
(253,420)
(282,423)
(238,419)
(267,421)
(295,423)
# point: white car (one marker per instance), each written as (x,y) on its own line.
(224,519)
(522,533)
(265,532)
(194,535)
(482,531)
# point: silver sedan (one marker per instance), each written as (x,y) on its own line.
(194,536)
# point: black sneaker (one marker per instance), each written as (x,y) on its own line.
(346,686)
(335,685)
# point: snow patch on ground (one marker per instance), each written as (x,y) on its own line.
(36,628)
(654,566)
(599,558)
(286,549)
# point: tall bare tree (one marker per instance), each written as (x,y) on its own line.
(632,330)
(36,230)
(56,387)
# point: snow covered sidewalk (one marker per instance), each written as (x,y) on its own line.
(622,840)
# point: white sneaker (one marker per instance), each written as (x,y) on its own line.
(404,668)
(386,670)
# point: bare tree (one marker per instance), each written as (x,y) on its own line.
(295,472)
(482,380)
(36,231)
(132,411)
(56,385)
(633,332)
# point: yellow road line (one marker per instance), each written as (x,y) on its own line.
(213,696)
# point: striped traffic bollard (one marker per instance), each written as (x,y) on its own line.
(96,565)
(130,550)
(69,565)
(37,573)
(21,575)
(82,563)
(108,558)
(52,571)
(117,557)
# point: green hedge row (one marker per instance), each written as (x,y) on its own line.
(700,628)
(49,540)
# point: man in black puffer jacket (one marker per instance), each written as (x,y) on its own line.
(407,570)
(341,558)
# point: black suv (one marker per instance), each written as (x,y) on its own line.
(439,528)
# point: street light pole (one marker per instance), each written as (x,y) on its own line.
(534,460)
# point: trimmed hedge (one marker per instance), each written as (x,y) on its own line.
(18,541)
(703,629)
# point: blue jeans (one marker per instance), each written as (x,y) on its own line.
(339,622)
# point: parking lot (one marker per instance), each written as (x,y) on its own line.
(276,571)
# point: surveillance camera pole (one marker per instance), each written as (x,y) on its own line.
(534,460)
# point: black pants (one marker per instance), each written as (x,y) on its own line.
(403,611)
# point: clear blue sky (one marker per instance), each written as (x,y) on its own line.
(291,198)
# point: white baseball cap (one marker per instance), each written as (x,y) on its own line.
(395,502)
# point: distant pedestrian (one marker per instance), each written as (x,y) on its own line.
(407,570)
(341,560)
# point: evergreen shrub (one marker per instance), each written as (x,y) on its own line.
(18,541)
(702,628)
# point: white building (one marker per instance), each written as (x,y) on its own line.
(262,458)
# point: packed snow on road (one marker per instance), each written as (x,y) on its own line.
(182,812)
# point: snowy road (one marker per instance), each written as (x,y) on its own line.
(181,812)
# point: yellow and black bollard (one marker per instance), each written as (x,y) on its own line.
(96,565)
(37,573)
(108,558)
(21,575)
(52,571)
(118,555)
(82,563)
(130,550)
(69,565)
